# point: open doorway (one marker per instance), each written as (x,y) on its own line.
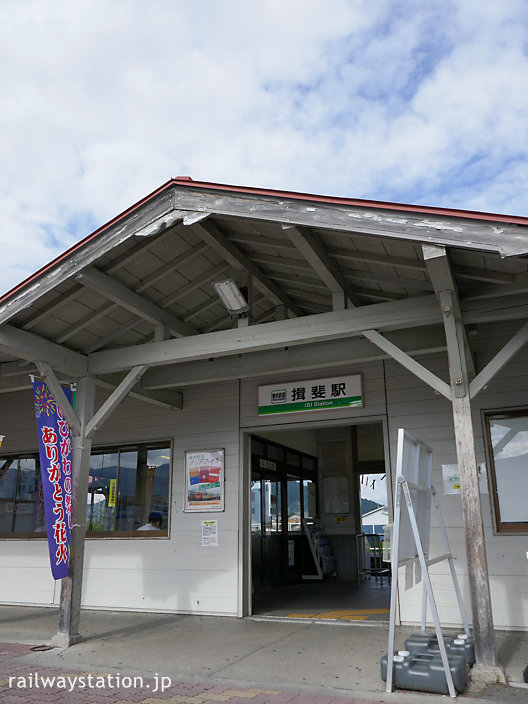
(309,554)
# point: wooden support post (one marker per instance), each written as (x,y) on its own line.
(71,586)
(477,567)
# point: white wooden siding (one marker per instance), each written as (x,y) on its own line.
(177,574)
(174,574)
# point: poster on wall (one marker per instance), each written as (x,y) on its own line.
(452,480)
(204,480)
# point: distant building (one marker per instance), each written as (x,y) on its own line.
(373,521)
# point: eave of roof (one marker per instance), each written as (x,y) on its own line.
(186,181)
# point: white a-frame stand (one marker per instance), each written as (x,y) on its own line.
(410,540)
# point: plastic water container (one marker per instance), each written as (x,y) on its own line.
(455,645)
(425,672)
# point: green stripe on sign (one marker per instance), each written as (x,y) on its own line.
(317,405)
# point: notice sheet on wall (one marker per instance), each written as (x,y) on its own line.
(209,534)
(452,480)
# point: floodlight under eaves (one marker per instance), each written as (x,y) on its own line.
(231,296)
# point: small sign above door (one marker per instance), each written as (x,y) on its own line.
(312,395)
(268,464)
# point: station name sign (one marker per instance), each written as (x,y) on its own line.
(312,395)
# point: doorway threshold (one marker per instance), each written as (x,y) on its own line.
(320,621)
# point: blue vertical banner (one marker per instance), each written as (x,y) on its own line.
(54,440)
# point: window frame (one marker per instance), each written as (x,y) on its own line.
(118,448)
(500,527)
(163,533)
(18,456)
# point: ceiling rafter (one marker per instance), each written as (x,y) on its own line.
(262,240)
(284,262)
(126,298)
(298,280)
(519,285)
(313,297)
(188,288)
(229,251)
(156,276)
(313,250)
(311,247)
(139,248)
(194,284)
(116,332)
(485,275)
(381,259)
(420,284)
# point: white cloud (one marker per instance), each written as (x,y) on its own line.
(102,102)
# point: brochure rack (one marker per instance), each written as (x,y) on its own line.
(321,548)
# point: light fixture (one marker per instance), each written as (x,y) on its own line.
(231,297)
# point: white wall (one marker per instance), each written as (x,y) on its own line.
(174,574)
(415,407)
(178,574)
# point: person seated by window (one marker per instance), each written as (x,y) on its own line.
(155,521)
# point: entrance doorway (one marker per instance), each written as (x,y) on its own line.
(283,493)
(306,494)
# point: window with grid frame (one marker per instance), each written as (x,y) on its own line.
(128,486)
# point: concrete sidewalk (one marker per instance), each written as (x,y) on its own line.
(236,660)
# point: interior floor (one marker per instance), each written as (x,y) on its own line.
(334,600)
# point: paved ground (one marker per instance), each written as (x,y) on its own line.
(344,601)
(202,660)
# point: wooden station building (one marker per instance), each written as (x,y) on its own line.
(422,312)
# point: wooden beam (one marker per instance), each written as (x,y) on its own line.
(496,309)
(356,275)
(409,363)
(283,361)
(377,259)
(230,252)
(501,358)
(313,250)
(139,248)
(27,345)
(118,330)
(519,285)
(159,274)
(54,386)
(111,403)
(197,282)
(124,297)
(169,399)
(447,228)
(485,275)
(443,279)
(316,328)
(282,262)
(300,281)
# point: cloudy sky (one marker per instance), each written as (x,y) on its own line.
(102,101)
